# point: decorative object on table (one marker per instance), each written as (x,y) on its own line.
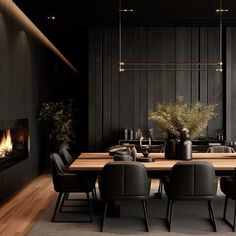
(112,150)
(145,159)
(133,153)
(62,118)
(122,156)
(145,152)
(131,134)
(220,134)
(125,134)
(171,118)
(138,134)
(184,146)
(170,148)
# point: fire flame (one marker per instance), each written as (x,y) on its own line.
(5,143)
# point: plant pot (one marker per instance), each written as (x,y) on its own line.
(171,148)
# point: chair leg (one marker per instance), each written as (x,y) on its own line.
(93,196)
(160,189)
(104,216)
(145,214)
(57,205)
(212,214)
(65,197)
(90,207)
(167,212)
(225,207)
(171,213)
(234,226)
(209,211)
(95,192)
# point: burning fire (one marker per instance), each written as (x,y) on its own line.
(5,143)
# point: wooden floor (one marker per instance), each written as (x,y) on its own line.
(21,212)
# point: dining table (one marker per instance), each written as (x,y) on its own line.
(224,163)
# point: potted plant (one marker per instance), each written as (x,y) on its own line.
(172,118)
(61,117)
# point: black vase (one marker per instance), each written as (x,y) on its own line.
(184,147)
(171,148)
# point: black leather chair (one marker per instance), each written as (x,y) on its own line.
(66,182)
(66,156)
(191,181)
(68,159)
(228,187)
(220,148)
(124,180)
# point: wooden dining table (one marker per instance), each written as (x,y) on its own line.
(224,163)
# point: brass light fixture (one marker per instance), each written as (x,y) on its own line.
(171,66)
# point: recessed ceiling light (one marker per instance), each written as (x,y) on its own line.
(51,18)
(222,10)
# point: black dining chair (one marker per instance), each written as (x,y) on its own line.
(191,181)
(124,180)
(228,187)
(66,156)
(68,160)
(66,182)
(221,149)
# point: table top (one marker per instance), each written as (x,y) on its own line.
(96,161)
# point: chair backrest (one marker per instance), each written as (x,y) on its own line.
(124,179)
(220,148)
(193,179)
(66,156)
(58,167)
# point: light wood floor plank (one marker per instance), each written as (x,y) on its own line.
(19,213)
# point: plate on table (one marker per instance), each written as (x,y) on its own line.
(145,159)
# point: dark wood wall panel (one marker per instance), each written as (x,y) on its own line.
(231,83)
(127,97)
(215,81)
(127,82)
(203,42)
(95,88)
(183,54)
(194,89)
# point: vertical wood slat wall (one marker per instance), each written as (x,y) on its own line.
(123,100)
(230,87)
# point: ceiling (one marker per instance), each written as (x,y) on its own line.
(73,13)
(74,16)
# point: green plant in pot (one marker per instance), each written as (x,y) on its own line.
(172,118)
(61,117)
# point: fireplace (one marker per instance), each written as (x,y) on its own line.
(14,142)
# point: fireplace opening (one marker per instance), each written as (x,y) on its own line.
(14,142)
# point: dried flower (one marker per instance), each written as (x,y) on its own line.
(171,118)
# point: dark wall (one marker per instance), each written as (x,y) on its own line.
(123,100)
(25,73)
(230,91)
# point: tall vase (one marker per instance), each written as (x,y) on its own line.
(184,147)
(171,148)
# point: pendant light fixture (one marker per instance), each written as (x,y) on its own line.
(171,66)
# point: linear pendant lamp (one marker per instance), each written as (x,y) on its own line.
(171,66)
